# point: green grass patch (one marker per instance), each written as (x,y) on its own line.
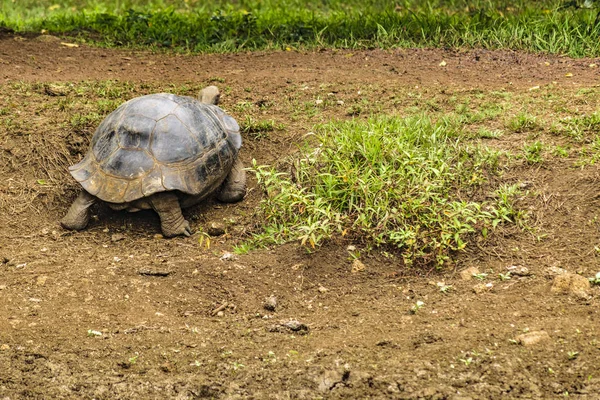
(252,24)
(258,129)
(523,122)
(533,152)
(409,184)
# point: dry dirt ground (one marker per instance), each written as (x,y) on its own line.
(80,317)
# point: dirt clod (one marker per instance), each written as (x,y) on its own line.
(569,283)
(41,280)
(357,266)
(482,288)
(216,229)
(532,338)
(292,326)
(467,274)
(270,303)
(47,39)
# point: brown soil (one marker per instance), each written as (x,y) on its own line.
(201,329)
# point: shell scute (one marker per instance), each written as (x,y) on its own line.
(172,141)
(154,106)
(135,131)
(128,164)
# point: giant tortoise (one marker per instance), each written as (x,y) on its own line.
(160,152)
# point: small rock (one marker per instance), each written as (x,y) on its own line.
(554,271)
(166,367)
(322,289)
(228,257)
(357,266)
(2,287)
(532,338)
(220,314)
(116,237)
(329,380)
(296,326)
(568,283)
(149,272)
(482,287)
(41,280)
(519,270)
(467,274)
(270,303)
(293,326)
(4,347)
(216,229)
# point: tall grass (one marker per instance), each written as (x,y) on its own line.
(222,26)
(408,184)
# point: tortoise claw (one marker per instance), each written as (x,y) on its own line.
(187,231)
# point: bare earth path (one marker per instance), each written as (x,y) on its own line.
(80,317)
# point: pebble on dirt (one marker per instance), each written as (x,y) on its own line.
(357,266)
(553,271)
(148,272)
(482,287)
(519,270)
(270,303)
(467,274)
(569,283)
(294,326)
(532,338)
(216,229)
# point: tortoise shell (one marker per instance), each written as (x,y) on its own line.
(159,142)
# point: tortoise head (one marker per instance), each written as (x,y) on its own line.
(209,95)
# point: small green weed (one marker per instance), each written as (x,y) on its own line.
(523,122)
(533,152)
(504,277)
(486,133)
(560,151)
(416,307)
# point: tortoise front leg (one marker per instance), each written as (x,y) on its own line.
(167,207)
(234,187)
(79,214)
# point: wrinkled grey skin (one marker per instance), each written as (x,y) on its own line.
(212,170)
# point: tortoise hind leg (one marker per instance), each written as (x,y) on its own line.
(78,215)
(172,223)
(234,187)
